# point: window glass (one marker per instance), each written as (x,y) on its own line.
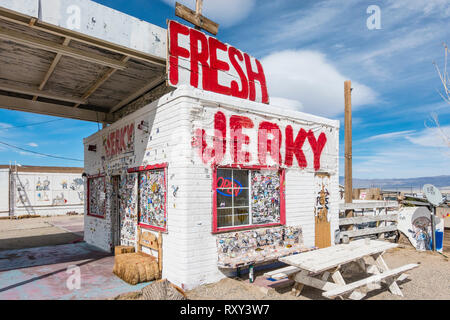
(225,217)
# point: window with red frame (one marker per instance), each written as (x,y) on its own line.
(97,196)
(152,199)
(246,198)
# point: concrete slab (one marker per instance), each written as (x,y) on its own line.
(42,273)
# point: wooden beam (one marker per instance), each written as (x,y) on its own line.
(100,81)
(348,141)
(367,231)
(52,67)
(19,104)
(139,92)
(196,19)
(19,37)
(365,219)
(35,92)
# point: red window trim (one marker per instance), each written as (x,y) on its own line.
(147,168)
(95,176)
(282,222)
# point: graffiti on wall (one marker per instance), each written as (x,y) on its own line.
(152,198)
(97,196)
(244,247)
(265,197)
(268,143)
(119,141)
(128,209)
(42,184)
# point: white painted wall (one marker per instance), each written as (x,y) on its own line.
(4,192)
(57,200)
(189,247)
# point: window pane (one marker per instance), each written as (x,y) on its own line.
(224,217)
(241,216)
(224,198)
(240,178)
(265,188)
(97,196)
(241,198)
(223,178)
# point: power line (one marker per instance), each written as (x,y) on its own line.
(39,153)
(31,124)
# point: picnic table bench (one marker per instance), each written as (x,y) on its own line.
(314,268)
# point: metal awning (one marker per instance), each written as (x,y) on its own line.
(77,60)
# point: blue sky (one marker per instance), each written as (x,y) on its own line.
(308,48)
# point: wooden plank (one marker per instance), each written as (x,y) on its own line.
(196,19)
(327,258)
(348,143)
(100,81)
(36,92)
(315,283)
(340,290)
(281,273)
(19,104)
(367,231)
(368,205)
(155,82)
(47,45)
(365,219)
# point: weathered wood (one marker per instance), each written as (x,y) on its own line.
(196,19)
(19,104)
(100,81)
(348,142)
(315,283)
(375,204)
(367,231)
(47,45)
(341,290)
(36,92)
(324,259)
(365,219)
(281,273)
(53,65)
(155,82)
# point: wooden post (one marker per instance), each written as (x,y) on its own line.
(348,145)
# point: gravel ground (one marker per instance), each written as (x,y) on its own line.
(431,280)
(37,232)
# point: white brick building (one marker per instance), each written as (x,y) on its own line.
(160,167)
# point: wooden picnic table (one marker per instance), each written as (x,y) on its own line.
(314,268)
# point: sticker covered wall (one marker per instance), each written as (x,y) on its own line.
(97,196)
(128,209)
(265,186)
(152,198)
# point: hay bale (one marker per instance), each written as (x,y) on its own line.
(162,290)
(135,268)
(123,249)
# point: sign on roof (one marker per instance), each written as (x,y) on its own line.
(204,62)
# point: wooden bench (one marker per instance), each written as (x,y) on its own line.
(281,273)
(358,289)
(139,266)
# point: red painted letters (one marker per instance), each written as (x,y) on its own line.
(269,142)
(199,48)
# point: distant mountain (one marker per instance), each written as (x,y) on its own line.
(397,184)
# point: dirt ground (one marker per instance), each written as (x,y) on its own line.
(41,231)
(431,280)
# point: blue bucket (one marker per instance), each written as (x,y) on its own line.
(439,236)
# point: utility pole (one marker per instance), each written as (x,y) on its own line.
(348,146)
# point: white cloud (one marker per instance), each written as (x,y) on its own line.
(32,144)
(225,13)
(286,103)
(308,79)
(432,137)
(390,135)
